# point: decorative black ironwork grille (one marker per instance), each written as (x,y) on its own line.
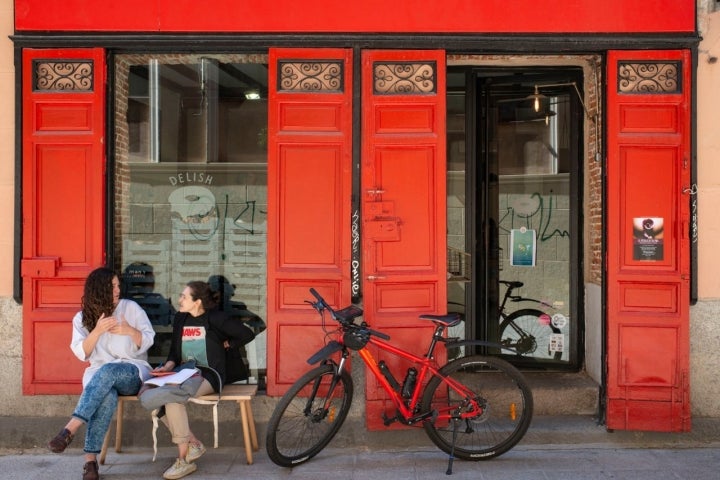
(63,76)
(404,78)
(318,76)
(649,77)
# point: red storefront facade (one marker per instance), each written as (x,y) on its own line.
(395,160)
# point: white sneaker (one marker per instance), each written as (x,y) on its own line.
(179,469)
(195,452)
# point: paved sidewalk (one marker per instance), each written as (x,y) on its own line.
(523,462)
(554,448)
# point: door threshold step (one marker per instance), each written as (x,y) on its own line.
(562,393)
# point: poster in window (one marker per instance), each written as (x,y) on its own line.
(522,247)
(648,238)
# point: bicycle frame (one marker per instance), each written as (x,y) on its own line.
(428,367)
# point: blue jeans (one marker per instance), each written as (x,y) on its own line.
(99,400)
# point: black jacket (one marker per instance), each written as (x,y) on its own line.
(220,328)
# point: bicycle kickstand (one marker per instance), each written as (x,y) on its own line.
(452,449)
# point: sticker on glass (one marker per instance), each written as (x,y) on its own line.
(559,320)
(557,342)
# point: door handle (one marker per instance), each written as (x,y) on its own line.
(375,277)
(375,191)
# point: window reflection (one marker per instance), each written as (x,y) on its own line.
(531,142)
(202,110)
(191,181)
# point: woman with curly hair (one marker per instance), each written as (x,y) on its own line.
(113,335)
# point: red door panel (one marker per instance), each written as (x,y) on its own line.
(655,165)
(309,193)
(403,201)
(648,175)
(63,195)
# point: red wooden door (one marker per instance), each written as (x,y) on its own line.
(309,192)
(63,195)
(648,177)
(403,201)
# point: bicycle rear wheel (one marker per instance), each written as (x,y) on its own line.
(506,408)
(308,416)
(529,332)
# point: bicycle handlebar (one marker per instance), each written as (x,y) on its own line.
(384,336)
(321,300)
(345,322)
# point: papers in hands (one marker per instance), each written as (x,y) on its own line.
(173,379)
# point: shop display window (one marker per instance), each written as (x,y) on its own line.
(190,165)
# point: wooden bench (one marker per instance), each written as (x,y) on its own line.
(242,394)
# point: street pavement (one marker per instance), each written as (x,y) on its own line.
(554,448)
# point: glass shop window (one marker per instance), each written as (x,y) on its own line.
(191,185)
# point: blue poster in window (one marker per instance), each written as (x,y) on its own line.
(522,247)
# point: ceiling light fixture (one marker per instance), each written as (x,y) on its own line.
(252,95)
(536,98)
(593,117)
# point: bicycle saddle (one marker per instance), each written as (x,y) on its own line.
(449,320)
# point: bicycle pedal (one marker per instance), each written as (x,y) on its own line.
(387,421)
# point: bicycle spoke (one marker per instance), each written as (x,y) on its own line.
(494,422)
(299,428)
(308,416)
(529,333)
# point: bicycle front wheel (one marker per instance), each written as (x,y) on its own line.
(308,416)
(505,401)
(529,332)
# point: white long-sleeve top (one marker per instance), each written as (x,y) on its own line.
(116,348)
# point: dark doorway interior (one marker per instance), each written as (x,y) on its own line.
(515,156)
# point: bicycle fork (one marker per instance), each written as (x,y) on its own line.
(323,412)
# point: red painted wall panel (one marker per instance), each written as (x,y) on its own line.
(452,16)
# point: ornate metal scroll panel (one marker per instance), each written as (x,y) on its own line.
(319,76)
(403,78)
(649,77)
(63,75)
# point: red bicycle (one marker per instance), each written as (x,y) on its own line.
(473,408)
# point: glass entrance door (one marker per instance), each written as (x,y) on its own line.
(520,167)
